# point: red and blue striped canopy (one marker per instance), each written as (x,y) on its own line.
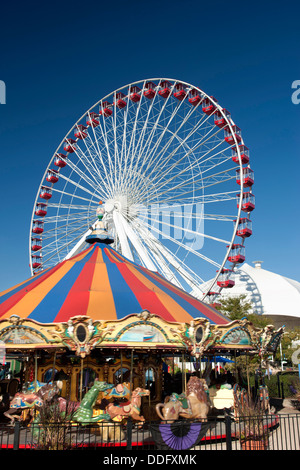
(104,285)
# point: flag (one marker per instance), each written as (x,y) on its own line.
(178,435)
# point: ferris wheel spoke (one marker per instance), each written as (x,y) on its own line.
(57,250)
(91,182)
(95,160)
(65,217)
(217,178)
(59,228)
(88,163)
(189,276)
(76,196)
(186,209)
(148,144)
(195,164)
(165,130)
(132,236)
(110,171)
(194,130)
(185,229)
(199,143)
(71,206)
(79,186)
(154,130)
(136,160)
(182,245)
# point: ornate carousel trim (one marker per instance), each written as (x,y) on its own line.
(82,334)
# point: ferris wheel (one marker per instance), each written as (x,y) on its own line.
(170,170)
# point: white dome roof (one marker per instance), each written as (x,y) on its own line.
(270,293)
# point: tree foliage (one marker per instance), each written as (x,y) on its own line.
(237,307)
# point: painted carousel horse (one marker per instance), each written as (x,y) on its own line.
(85,413)
(118,391)
(32,399)
(194,404)
(131,408)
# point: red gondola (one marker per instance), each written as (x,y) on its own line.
(224,279)
(52,176)
(92,119)
(165,89)
(219,119)
(70,146)
(60,160)
(135,93)
(36,244)
(46,193)
(208,106)
(41,209)
(229,137)
(244,151)
(248,177)
(120,101)
(244,228)
(36,261)
(180,92)
(237,254)
(150,90)
(80,133)
(105,109)
(248,202)
(195,97)
(38,226)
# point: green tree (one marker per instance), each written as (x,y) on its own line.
(237,307)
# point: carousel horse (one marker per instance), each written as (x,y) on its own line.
(194,404)
(84,413)
(118,391)
(131,408)
(32,400)
(66,406)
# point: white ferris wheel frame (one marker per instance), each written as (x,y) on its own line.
(124,229)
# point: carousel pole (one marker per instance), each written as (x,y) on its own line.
(53,367)
(173,374)
(121,363)
(200,365)
(235,367)
(248,379)
(35,371)
(81,379)
(131,371)
(183,377)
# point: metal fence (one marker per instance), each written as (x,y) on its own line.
(280,432)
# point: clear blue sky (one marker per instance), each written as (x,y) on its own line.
(59,58)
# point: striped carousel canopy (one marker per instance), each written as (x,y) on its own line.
(104,285)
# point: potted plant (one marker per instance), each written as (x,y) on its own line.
(251,430)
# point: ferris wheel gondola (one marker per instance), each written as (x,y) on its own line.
(164,160)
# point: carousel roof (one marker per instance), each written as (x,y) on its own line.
(104,285)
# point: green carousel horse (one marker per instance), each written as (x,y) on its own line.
(84,414)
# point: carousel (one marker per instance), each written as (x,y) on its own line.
(119,254)
(98,318)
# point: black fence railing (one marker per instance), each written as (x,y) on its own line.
(275,432)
